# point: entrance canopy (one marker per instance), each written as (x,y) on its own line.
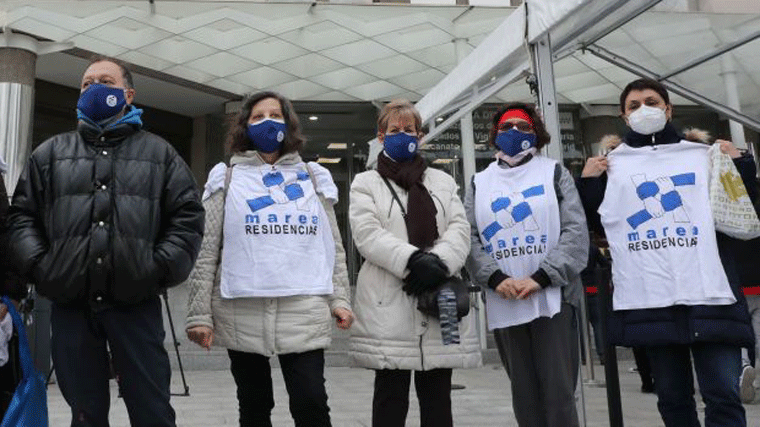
(305,50)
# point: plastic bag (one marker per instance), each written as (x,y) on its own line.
(732,208)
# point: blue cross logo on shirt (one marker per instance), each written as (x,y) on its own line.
(278,192)
(511,210)
(660,196)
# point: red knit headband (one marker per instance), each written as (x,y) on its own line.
(515,113)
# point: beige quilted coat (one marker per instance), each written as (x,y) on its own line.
(266,326)
(389,331)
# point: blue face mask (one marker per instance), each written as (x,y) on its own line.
(512,142)
(267,135)
(400,146)
(99,102)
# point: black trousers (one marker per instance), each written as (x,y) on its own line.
(304,375)
(391,400)
(135,336)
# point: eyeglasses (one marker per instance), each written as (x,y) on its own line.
(521,126)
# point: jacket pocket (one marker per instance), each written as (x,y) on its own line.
(60,277)
(136,278)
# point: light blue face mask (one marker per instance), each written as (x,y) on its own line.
(400,146)
(267,135)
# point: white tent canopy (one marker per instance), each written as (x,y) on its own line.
(632,41)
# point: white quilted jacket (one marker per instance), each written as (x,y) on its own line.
(266,326)
(389,331)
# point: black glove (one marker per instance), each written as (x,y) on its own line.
(426,271)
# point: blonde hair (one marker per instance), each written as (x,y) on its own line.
(398,107)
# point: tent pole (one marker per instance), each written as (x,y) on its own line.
(676,88)
(714,54)
(547,95)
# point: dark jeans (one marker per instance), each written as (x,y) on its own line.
(718,367)
(304,375)
(135,336)
(390,403)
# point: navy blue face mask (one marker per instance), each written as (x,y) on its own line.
(512,142)
(401,146)
(267,135)
(99,102)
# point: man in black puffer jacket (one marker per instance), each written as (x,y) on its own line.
(103,219)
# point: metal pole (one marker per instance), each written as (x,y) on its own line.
(614,405)
(689,94)
(475,100)
(566,50)
(583,329)
(468,170)
(732,99)
(717,52)
(547,95)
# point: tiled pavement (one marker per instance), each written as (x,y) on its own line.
(485,400)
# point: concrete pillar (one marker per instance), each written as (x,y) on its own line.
(17,71)
(728,68)
(18,57)
(16,108)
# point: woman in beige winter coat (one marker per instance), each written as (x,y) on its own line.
(282,273)
(404,257)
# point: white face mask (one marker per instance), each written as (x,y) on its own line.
(647,120)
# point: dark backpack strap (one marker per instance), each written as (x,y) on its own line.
(395,196)
(227,179)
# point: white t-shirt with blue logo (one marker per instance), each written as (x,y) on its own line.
(656,214)
(517,215)
(277,237)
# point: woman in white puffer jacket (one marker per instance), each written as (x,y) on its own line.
(282,273)
(390,335)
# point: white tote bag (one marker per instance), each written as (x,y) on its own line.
(731,207)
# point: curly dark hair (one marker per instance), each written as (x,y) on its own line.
(237,135)
(542,136)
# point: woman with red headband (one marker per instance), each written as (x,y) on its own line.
(528,244)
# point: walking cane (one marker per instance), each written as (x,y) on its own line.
(165,295)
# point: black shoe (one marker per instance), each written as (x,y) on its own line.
(647,388)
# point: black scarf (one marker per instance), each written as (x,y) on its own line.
(421,227)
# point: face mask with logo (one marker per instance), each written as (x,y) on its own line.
(513,142)
(647,120)
(267,134)
(99,102)
(400,146)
